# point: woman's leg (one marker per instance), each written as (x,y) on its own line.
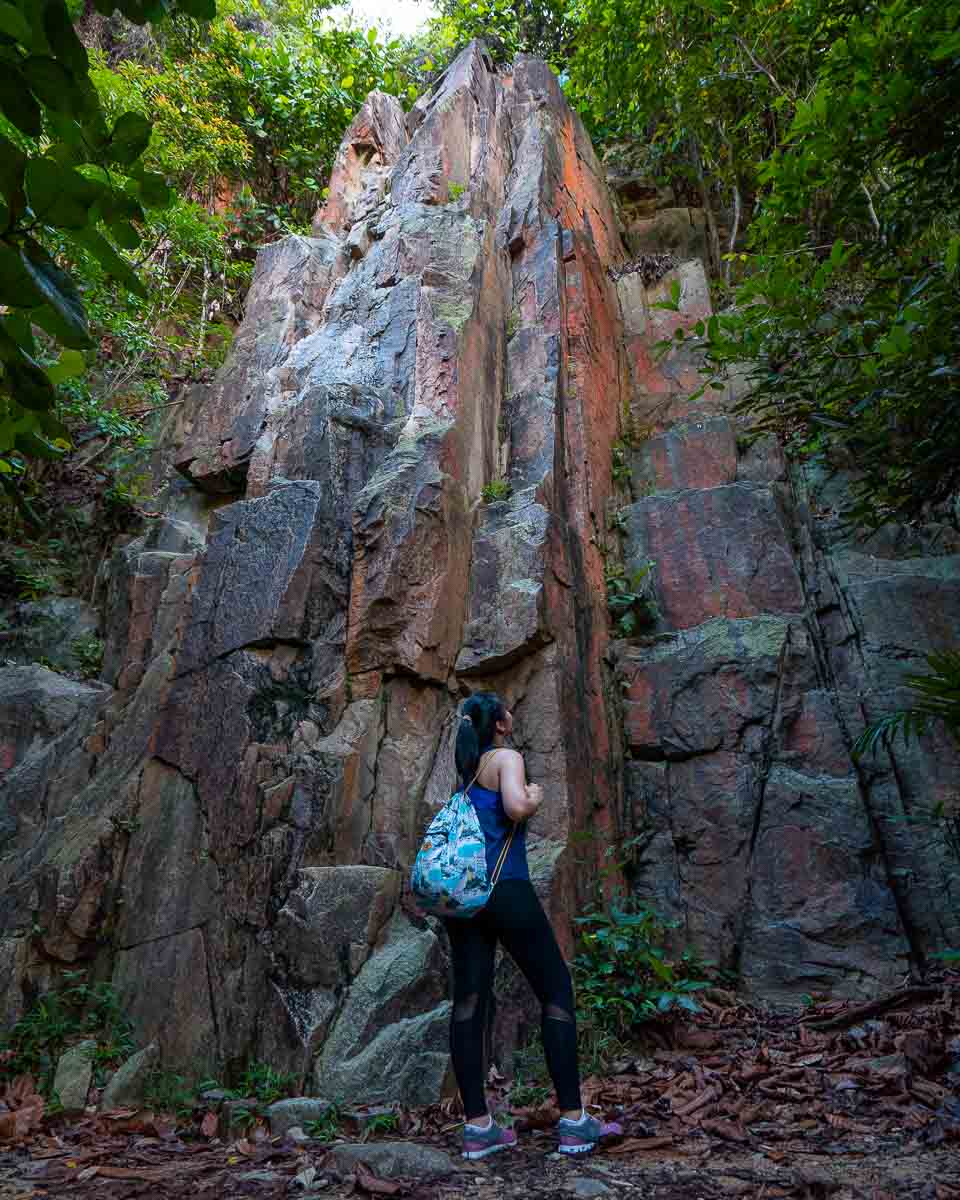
(472,948)
(528,937)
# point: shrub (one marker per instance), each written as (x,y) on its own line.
(630,599)
(495,491)
(88,651)
(623,974)
(77,1012)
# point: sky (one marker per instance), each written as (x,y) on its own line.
(403,16)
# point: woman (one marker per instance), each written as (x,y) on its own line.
(495,781)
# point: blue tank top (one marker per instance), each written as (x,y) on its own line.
(496,826)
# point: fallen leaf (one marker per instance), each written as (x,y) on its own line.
(727,1130)
(149,1174)
(630,1144)
(209,1125)
(366,1181)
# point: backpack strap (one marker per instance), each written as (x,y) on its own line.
(503,856)
(479,768)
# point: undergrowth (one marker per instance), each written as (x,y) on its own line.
(625,976)
(77,1012)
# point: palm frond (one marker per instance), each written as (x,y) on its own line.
(937,699)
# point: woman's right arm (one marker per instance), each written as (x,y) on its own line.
(520,799)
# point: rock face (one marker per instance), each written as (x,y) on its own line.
(288,643)
(779,637)
(225,826)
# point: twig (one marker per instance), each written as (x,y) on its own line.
(873,212)
(909,995)
(760,67)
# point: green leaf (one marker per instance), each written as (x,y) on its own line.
(12,163)
(53,85)
(14,24)
(202,10)
(32,445)
(16,103)
(60,292)
(30,386)
(153,189)
(16,286)
(63,39)
(952,256)
(114,265)
(58,195)
(16,327)
(130,137)
(125,235)
(347,82)
(70,364)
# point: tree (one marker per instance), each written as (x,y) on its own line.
(67,177)
(851,316)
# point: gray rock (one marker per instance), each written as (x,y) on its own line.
(332,910)
(384,1047)
(286,1115)
(408,1160)
(128,1081)
(586,1188)
(74,1073)
(679,230)
(306,1178)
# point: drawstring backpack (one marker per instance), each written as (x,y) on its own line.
(449,876)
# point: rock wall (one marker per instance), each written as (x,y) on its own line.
(781,635)
(224,825)
(288,643)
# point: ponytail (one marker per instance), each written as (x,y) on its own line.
(478,727)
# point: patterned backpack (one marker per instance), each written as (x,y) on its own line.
(449,876)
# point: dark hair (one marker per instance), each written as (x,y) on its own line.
(478,727)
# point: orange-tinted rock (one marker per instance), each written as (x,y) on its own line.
(719,552)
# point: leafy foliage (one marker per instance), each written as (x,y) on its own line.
(850,318)
(495,490)
(630,599)
(76,1012)
(72,184)
(624,976)
(937,699)
(167,1092)
(507,27)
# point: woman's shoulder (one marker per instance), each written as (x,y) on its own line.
(503,755)
(494,764)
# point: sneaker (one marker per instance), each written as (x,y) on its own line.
(478,1143)
(580,1137)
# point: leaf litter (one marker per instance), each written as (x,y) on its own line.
(849,1101)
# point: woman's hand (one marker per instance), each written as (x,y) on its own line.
(534,795)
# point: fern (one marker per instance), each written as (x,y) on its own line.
(937,699)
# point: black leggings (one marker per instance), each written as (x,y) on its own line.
(514,917)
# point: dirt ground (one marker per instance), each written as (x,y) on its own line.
(852,1102)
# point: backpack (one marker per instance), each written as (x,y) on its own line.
(449,876)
